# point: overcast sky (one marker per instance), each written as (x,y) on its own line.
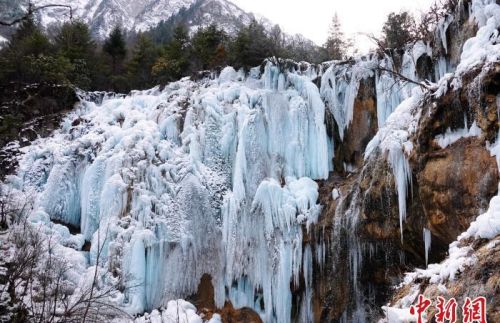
(312,18)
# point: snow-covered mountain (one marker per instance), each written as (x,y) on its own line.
(223,13)
(103,15)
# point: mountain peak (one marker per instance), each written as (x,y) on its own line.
(103,15)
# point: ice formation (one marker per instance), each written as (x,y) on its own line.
(452,136)
(427,244)
(394,140)
(214,177)
(335,193)
(339,88)
(486,226)
(483,48)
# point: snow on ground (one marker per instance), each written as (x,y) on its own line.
(178,311)
(486,226)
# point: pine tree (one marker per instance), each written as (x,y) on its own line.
(24,60)
(115,47)
(206,42)
(75,43)
(177,48)
(251,46)
(173,63)
(336,44)
(144,55)
(29,39)
(398,29)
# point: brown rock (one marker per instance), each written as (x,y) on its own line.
(363,127)
(455,185)
(243,315)
(205,303)
(481,279)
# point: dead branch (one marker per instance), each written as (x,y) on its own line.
(402,77)
(379,42)
(32,9)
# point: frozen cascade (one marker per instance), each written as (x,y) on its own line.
(427,244)
(212,177)
(387,98)
(442,28)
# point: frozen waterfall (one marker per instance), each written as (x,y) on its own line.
(209,177)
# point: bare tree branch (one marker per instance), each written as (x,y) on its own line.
(402,77)
(32,9)
(379,42)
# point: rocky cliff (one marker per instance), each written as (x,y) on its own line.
(421,180)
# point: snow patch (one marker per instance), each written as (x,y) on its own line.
(452,136)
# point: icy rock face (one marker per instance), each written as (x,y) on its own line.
(217,177)
(394,141)
(398,132)
(214,177)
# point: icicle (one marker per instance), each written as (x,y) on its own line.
(427,244)
(306,312)
(388,93)
(393,139)
(402,176)
(442,27)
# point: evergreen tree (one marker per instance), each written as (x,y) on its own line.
(251,46)
(173,63)
(398,29)
(144,55)
(24,60)
(178,47)
(29,39)
(336,44)
(75,43)
(115,47)
(206,44)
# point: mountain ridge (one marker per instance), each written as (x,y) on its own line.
(103,15)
